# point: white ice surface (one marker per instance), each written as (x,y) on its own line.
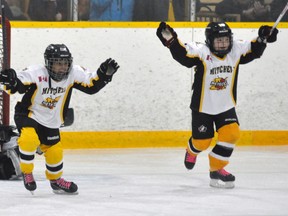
(142,182)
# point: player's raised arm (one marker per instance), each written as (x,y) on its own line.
(169,39)
(107,69)
(259,45)
(91,83)
(166,34)
(265,34)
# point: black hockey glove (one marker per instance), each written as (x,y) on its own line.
(264,34)
(107,69)
(8,78)
(166,34)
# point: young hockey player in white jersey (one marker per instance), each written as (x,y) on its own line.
(214,90)
(39,115)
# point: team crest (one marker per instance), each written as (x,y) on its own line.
(219,83)
(50,102)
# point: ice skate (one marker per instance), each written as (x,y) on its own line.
(29,182)
(61,186)
(222,179)
(189,160)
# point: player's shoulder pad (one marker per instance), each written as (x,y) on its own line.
(241,43)
(196,48)
(37,68)
(79,68)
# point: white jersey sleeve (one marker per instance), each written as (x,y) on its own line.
(83,75)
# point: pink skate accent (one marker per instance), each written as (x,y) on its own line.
(62,183)
(223,172)
(190,158)
(28,178)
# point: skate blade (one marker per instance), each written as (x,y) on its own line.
(220,184)
(32,193)
(61,192)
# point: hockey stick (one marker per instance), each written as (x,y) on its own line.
(4,97)
(3,21)
(279,18)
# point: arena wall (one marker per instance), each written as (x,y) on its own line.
(147,103)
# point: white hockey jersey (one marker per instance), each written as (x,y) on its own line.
(215,79)
(44,98)
(219,76)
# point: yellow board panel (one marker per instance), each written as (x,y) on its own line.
(156,139)
(81,24)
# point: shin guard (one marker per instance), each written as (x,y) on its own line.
(28,143)
(220,154)
(54,160)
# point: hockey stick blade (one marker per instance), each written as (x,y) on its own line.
(279,18)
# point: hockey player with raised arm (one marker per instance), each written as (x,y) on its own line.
(38,117)
(215,90)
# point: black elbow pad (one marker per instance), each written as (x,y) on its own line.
(258,48)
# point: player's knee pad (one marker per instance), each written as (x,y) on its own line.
(220,154)
(28,140)
(28,143)
(54,160)
(229,133)
(195,146)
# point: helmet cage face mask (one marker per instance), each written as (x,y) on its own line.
(58,54)
(60,75)
(217,30)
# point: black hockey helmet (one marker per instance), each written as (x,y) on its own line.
(216,30)
(55,53)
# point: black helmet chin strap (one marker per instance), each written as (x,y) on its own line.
(50,85)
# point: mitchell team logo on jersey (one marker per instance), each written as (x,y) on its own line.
(219,83)
(221,69)
(57,90)
(50,102)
